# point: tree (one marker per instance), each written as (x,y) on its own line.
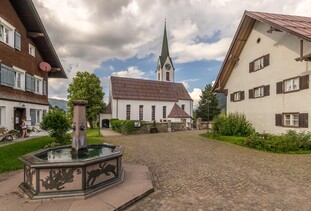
(57,125)
(86,86)
(202,110)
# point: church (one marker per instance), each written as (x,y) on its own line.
(158,100)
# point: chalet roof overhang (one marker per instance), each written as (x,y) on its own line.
(29,16)
(295,25)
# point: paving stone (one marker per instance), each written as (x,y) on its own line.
(190,172)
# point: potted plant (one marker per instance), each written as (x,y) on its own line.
(154,128)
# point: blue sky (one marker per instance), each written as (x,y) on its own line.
(124,37)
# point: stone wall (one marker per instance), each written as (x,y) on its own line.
(202,125)
(162,127)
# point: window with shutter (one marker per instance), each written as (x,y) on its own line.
(7,76)
(251,67)
(291,85)
(258,92)
(291,119)
(30,83)
(44,87)
(266,60)
(237,96)
(304,82)
(242,95)
(278,119)
(259,63)
(267,90)
(17,43)
(279,87)
(251,93)
(303,120)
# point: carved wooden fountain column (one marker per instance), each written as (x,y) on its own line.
(79,126)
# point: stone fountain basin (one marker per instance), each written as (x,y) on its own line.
(65,177)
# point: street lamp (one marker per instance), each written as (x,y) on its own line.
(208,103)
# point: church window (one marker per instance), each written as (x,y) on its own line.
(164,111)
(183,106)
(167,76)
(153,113)
(128,112)
(141,112)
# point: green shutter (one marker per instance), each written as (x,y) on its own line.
(7,76)
(44,87)
(17,41)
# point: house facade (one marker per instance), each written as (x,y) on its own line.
(27,60)
(265,74)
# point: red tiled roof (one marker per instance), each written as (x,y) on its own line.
(296,25)
(141,89)
(177,112)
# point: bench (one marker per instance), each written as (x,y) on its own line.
(5,135)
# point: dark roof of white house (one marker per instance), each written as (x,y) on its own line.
(178,112)
(296,25)
(141,89)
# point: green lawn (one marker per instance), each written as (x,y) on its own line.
(230,139)
(10,153)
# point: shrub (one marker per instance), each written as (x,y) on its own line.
(123,126)
(56,124)
(233,124)
(289,142)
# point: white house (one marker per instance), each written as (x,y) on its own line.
(266,72)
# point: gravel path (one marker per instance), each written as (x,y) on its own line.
(190,172)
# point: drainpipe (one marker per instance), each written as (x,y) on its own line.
(117,109)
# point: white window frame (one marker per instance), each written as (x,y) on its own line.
(237,96)
(32,50)
(291,85)
(22,74)
(7,37)
(291,119)
(259,92)
(259,64)
(38,81)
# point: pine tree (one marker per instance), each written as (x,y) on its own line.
(202,110)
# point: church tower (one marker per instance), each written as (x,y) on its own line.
(165,68)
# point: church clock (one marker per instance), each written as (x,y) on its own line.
(167,66)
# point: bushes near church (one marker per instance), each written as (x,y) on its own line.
(123,126)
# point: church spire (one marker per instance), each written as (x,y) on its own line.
(165,53)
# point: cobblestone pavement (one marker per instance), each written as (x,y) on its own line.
(190,172)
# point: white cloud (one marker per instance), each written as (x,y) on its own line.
(86,34)
(131,72)
(201,51)
(195,95)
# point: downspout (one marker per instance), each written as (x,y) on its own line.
(117,109)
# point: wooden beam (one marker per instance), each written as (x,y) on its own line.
(55,69)
(35,34)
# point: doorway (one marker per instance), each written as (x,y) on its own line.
(19,114)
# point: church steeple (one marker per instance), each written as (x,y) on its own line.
(165,52)
(165,69)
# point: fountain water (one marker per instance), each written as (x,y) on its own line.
(76,170)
